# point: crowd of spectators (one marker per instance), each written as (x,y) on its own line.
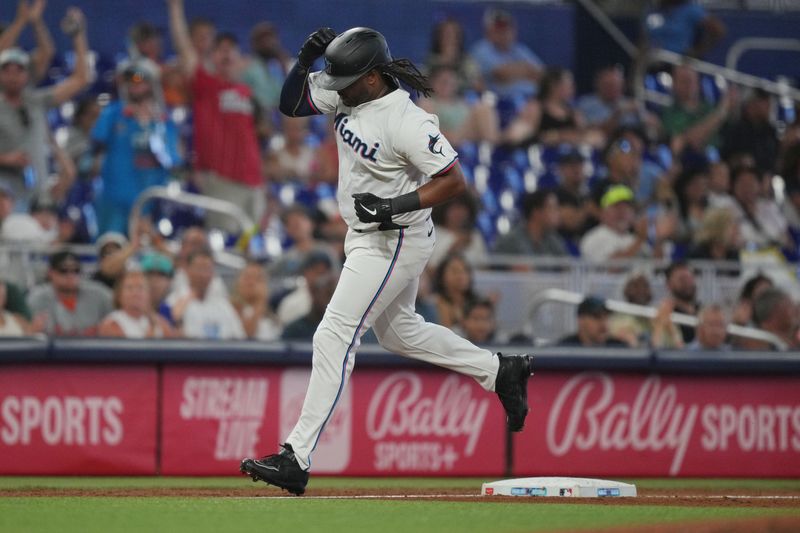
(614,179)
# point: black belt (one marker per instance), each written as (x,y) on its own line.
(385,226)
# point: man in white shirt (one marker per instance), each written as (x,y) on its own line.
(620,235)
(202,314)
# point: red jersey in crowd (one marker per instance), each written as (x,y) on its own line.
(225,138)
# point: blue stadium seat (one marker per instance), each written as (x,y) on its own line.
(468,154)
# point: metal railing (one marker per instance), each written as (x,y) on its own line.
(516,281)
(608,25)
(727,72)
(732,76)
(176,195)
(25,263)
(746,44)
(627,308)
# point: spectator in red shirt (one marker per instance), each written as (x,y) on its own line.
(225,121)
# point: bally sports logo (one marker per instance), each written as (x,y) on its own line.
(238,404)
(587,416)
(410,427)
(61,420)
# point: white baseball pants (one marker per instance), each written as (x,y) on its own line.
(378,289)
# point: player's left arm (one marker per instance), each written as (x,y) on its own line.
(442,187)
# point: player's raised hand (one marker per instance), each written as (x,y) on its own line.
(315,46)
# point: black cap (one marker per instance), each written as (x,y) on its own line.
(316,257)
(59,258)
(569,154)
(592,305)
(497,17)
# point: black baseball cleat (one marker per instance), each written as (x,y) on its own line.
(511,386)
(279,469)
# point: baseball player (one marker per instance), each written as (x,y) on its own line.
(394,165)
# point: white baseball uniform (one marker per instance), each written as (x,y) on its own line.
(387,147)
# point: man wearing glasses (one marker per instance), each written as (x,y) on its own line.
(24,135)
(68,305)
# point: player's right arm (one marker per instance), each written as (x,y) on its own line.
(179,30)
(298,98)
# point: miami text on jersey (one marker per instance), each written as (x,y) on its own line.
(352,140)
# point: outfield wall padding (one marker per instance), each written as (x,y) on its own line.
(103,407)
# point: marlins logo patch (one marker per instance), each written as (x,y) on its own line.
(432,140)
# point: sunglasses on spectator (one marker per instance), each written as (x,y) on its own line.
(134,77)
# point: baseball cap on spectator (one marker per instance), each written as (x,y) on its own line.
(593,306)
(143,31)
(42,203)
(65,259)
(109,239)
(154,262)
(14,55)
(568,153)
(316,257)
(615,195)
(498,18)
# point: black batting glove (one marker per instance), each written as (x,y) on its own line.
(371,208)
(315,46)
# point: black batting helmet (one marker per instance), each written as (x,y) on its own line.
(351,55)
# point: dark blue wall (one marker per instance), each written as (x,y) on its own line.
(560,34)
(407,25)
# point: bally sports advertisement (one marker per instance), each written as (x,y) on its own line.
(201,420)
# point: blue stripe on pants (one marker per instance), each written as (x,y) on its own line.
(353,341)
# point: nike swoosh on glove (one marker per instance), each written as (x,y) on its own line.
(371,208)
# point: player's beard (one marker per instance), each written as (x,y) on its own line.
(355,96)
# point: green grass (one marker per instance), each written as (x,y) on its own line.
(200,515)
(294,515)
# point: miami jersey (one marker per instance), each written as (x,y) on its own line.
(387,146)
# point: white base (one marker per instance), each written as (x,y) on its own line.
(571,487)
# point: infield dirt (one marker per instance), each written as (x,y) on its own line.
(668,497)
